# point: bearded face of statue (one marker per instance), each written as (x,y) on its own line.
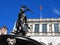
(11,41)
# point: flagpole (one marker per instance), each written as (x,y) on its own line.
(40,14)
(40,11)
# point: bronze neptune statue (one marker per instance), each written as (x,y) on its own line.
(21,24)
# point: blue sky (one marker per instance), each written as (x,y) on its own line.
(9,10)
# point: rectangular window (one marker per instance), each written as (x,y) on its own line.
(36,28)
(44,28)
(56,27)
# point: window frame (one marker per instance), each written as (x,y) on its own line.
(36,29)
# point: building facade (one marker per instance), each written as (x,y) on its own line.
(46,31)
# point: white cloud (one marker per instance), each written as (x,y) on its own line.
(56,11)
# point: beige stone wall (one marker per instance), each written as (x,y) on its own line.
(47,39)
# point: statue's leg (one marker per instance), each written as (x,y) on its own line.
(17,29)
(23,33)
(17,25)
